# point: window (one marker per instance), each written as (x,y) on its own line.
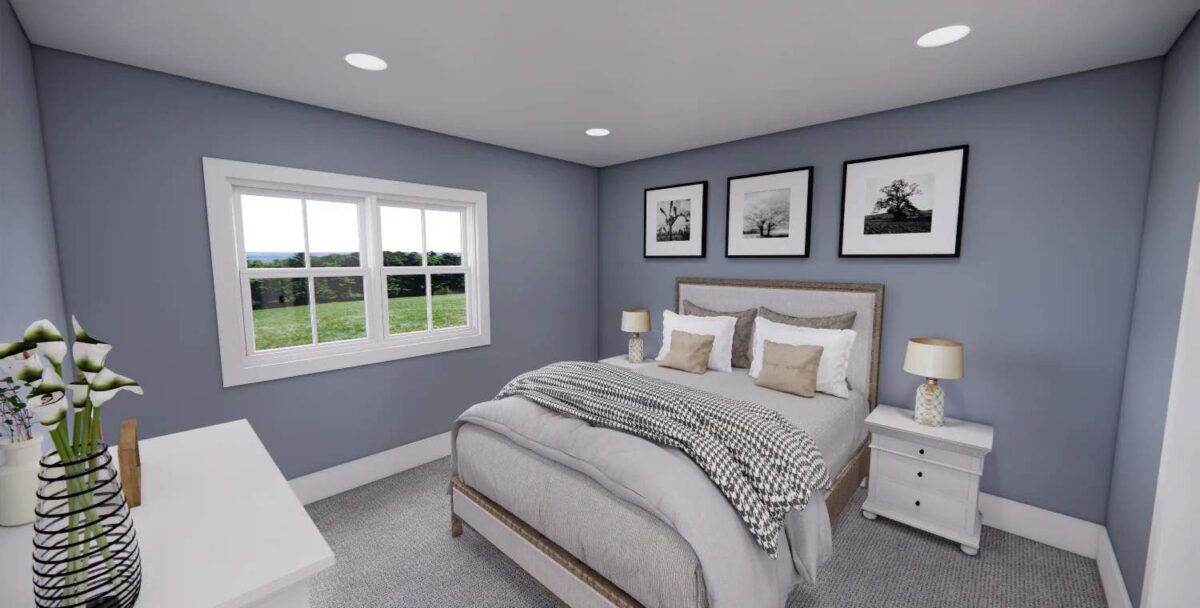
(318,271)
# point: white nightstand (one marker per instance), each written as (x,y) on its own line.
(927,477)
(623,361)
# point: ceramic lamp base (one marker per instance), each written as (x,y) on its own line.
(930,409)
(636,349)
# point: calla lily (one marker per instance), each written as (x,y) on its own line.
(50,384)
(9,349)
(29,370)
(81,334)
(79,393)
(49,342)
(50,409)
(107,383)
(89,357)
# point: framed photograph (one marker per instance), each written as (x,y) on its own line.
(768,214)
(674,221)
(904,205)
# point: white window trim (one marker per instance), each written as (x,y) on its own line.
(239,365)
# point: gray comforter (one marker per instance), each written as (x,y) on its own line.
(664,482)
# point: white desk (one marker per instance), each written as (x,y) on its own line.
(219,526)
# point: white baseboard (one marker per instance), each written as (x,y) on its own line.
(335,480)
(1047,527)
(1110,574)
(1062,531)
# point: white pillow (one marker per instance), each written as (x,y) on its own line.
(720,328)
(835,359)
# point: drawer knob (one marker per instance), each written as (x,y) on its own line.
(918,503)
(922,451)
(920,474)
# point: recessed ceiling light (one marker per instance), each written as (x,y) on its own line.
(597,132)
(943,36)
(367,62)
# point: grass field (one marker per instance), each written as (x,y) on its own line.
(288,326)
(884,223)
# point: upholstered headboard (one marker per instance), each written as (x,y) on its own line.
(805,300)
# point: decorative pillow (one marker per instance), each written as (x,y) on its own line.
(689,352)
(842,321)
(743,331)
(721,328)
(835,359)
(790,368)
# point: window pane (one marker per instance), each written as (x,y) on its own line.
(449,300)
(406,303)
(443,232)
(273,231)
(401,231)
(280,313)
(332,234)
(341,310)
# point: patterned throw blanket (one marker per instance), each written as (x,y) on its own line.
(763,464)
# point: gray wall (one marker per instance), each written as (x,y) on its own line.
(1041,296)
(28,258)
(1166,237)
(124,148)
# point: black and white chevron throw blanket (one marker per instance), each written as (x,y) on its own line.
(762,463)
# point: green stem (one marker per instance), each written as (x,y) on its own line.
(62,443)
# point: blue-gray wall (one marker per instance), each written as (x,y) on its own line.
(123,150)
(1166,237)
(28,259)
(1041,296)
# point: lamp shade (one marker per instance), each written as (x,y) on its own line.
(934,358)
(635,320)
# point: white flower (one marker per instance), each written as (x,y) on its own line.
(107,383)
(28,369)
(79,393)
(50,409)
(89,357)
(49,342)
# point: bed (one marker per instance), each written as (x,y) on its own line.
(593,543)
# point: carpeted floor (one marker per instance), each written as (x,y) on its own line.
(394,549)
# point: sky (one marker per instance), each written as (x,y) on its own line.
(274,224)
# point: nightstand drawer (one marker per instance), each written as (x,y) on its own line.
(923,475)
(927,453)
(929,507)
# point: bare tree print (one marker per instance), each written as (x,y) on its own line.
(766,213)
(671,214)
(897,199)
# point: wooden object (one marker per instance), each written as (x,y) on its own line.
(130,462)
(222,528)
(927,477)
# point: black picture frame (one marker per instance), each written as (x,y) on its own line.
(808,213)
(703,223)
(962,199)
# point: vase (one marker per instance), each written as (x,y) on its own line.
(19,480)
(85,550)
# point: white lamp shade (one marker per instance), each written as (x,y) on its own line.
(635,320)
(934,358)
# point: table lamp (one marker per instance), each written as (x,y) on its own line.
(933,358)
(637,322)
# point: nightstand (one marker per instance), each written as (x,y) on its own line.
(927,477)
(623,361)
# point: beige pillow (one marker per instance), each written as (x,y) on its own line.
(842,321)
(790,368)
(743,331)
(689,352)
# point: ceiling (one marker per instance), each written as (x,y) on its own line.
(663,75)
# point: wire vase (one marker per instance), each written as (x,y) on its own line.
(85,551)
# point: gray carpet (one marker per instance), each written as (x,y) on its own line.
(393,549)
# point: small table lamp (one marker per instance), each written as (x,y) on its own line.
(635,321)
(932,358)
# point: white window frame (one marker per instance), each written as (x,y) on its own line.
(224,180)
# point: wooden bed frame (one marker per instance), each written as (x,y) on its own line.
(585,588)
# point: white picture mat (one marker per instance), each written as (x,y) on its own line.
(691,247)
(796,241)
(859,201)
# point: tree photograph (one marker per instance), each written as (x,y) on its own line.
(674,220)
(896,210)
(765,214)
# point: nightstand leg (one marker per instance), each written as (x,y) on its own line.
(869,515)
(455,526)
(969,550)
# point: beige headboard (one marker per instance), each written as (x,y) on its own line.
(804,300)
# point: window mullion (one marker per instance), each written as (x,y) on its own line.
(375,289)
(312,307)
(428,301)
